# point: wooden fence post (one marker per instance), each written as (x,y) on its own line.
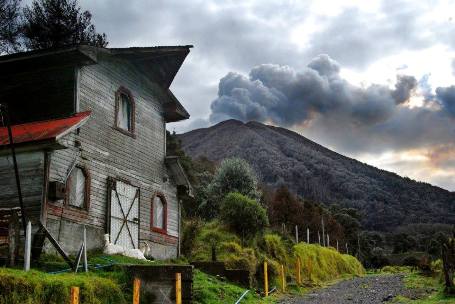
(136,290)
(74,295)
(283,279)
(178,288)
(266,280)
(298,271)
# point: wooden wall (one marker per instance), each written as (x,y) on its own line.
(108,153)
(31,172)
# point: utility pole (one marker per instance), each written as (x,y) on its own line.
(7,122)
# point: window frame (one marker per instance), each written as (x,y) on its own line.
(118,94)
(87,185)
(162,197)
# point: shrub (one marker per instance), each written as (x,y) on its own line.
(233,175)
(211,235)
(275,247)
(243,215)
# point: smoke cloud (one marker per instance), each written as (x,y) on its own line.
(286,97)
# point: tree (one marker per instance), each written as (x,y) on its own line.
(286,209)
(9,25)
(243,215)
(59,23)
(233,175)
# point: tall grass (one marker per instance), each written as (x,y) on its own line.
(19,287)
(322,264)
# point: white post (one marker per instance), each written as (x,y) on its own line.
(28,246)
(337,246)
(347,251)
(85,250)
(319,238)
(308,235)
(296,234)
(323,232)
(328,240)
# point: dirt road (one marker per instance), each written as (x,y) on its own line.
(366,290)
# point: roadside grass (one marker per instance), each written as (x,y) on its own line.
(17,286)
(209,289)
(325,264)
(424,289)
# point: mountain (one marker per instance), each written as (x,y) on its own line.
(281,156)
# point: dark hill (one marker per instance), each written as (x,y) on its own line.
(385,199)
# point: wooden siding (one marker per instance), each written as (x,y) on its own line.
(31,172)
(107,153)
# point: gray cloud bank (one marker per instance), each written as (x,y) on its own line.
(317,99)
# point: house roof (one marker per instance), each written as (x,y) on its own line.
(47,131)
(160,64)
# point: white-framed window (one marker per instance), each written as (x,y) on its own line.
(78,188)
(125,111)
(159,213)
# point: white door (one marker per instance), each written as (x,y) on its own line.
(124,221)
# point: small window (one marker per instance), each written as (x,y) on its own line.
(159,213)
(77,188)
(125,111)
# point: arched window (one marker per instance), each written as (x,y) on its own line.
(78,188)
(125,111)
(159,213)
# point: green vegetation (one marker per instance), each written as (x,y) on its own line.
(243,215)
(322,264)
(17,286)
(208,289)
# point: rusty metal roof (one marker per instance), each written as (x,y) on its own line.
(40,131)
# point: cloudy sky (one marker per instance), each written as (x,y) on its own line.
(373,80)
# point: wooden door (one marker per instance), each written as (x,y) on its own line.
(124,214)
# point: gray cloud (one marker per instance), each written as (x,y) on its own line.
(279,93)
(354,119)
(446,95)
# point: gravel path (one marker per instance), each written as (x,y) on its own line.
(366,290)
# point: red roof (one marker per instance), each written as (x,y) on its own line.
(47,130)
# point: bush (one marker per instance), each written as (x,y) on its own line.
(234,175)
(211,235)
(243,215)
(275,248)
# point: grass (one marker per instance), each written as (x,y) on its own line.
(17,286)
(322,264)
(428,289)
(208,289)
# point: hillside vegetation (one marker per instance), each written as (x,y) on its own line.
(283,157)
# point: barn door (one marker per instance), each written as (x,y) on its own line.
(124,217)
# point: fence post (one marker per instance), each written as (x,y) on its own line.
(74,295)
(296,234)
(178,288)
(136,290)
(308,235)
(28,246)
(328,240)
(266,280)
(298,271)
(85,250)
(283,279)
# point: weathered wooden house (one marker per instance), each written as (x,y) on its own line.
(89,128)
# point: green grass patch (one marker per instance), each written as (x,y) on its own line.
(322,264)
(20,287)
(208,289)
